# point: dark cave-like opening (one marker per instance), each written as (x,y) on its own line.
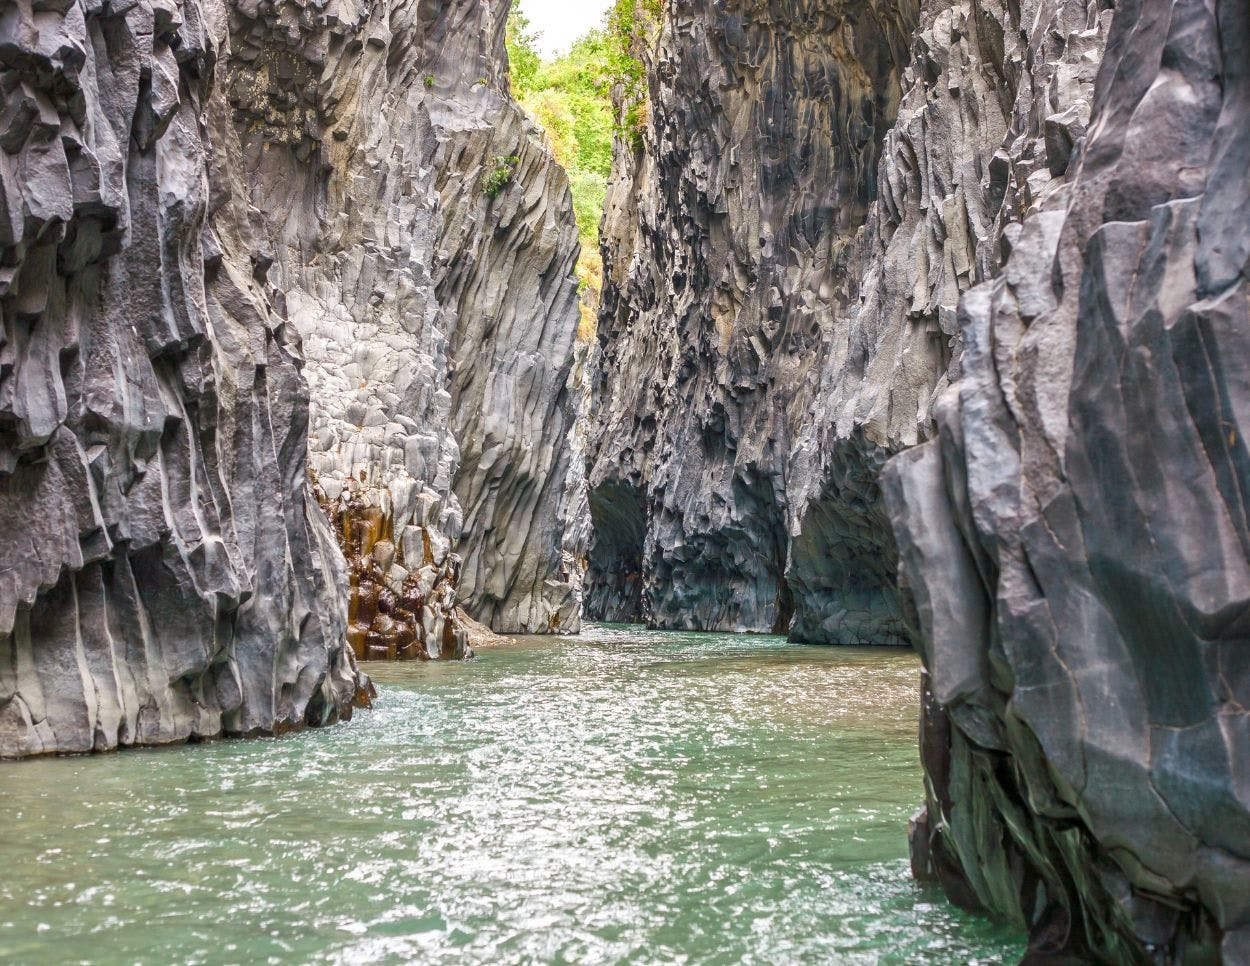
(614,578)
(843,564)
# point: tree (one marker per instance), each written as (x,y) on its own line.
(522,43)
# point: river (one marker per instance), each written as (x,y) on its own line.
(624,797)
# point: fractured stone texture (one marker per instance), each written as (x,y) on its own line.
(165,572)
(1075,541)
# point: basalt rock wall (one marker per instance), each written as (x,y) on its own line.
(726,230)
(1075,539)
(424,242)
(165,573)
(186,189)
(784,251)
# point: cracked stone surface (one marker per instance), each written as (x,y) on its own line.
(1075,542)
(166,573)
(784,254)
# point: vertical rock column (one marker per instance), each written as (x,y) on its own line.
(727,227)
(437,313)
(335,145)
(165,573)
(505,274)
(994,97)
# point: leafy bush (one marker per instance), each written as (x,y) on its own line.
(571,98)
(589,188)
(524,62)
(633,27)
(500,176)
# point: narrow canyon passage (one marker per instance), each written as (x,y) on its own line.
(335,333)
(630,796)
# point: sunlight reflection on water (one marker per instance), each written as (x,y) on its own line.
(628,796)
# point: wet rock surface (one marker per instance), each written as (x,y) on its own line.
(424,242)
(165,572)
(1074,540)
(784,253)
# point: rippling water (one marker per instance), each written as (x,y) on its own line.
(628,796)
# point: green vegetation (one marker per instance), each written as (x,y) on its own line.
(633,26)
(571,98)
(500,176)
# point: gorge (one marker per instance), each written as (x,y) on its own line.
(919,323)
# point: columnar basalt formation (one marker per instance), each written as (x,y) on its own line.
(165,573)
(506,273)
(995,96)
(424,242)
(1075,540)
(724,232)
(784,253)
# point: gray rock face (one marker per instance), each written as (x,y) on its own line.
(724,238)
(439,321)
(1075,540)
(819,184)
(438,314)
(344,211)
(507,274)
(165,573)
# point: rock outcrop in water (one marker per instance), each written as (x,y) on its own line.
(424,242)
(165,573)
(784,254)
(1076,542)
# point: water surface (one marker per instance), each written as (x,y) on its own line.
(628,796)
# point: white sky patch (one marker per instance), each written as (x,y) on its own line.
(560,22)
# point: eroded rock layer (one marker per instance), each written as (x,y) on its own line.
(424,242)
(1075,540)
(784,252)
(165,573)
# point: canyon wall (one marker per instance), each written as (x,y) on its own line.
(196,197)
(834,215)
(1075,540)
(727,225)
(784,250)
(165,573)
(423,240)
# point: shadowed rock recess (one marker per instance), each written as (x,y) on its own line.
(1076,543)
(784,251)
(165,573)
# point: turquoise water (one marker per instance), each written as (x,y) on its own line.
(625,797)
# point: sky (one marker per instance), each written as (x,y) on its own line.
(560,22)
